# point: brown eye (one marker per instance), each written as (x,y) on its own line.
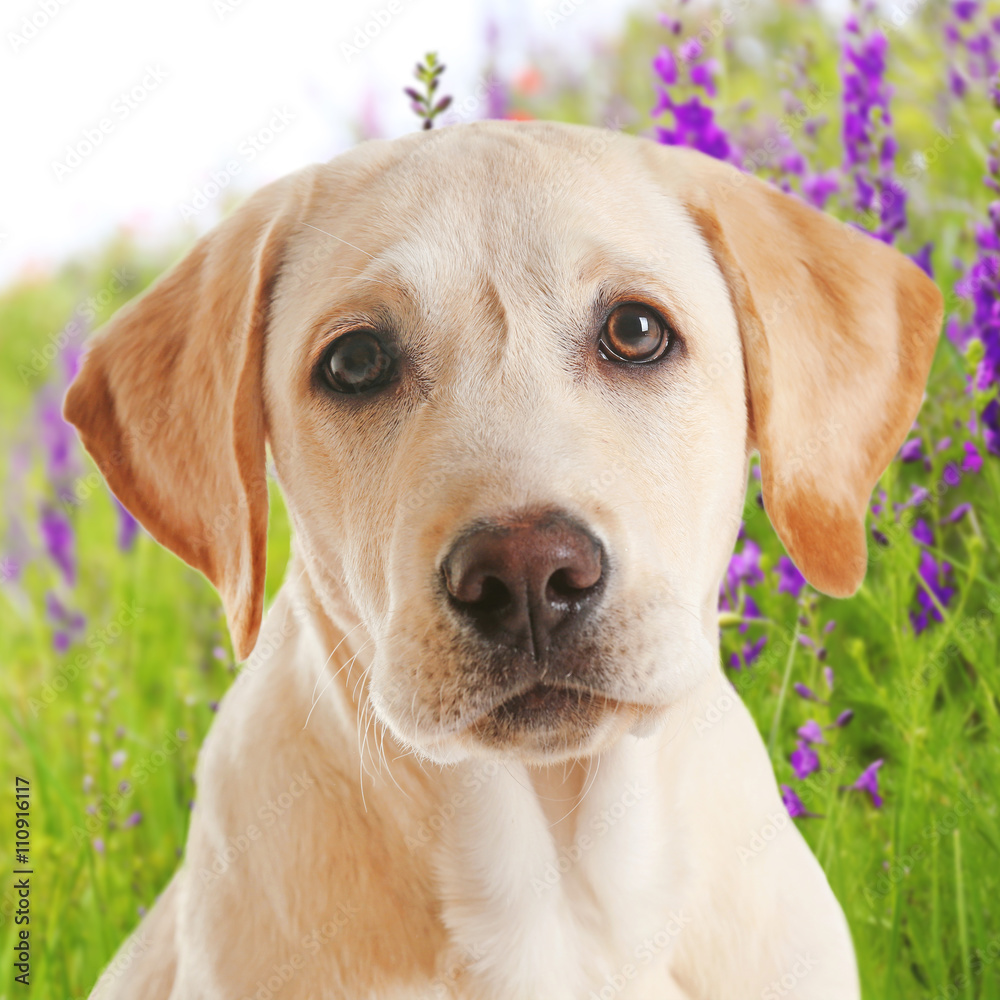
(635,333)
(356,362)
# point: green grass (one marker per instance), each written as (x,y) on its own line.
(919,879)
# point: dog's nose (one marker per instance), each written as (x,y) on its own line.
(520,582)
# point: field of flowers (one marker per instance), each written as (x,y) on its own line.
(881,713)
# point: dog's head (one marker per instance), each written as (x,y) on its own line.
(510,375)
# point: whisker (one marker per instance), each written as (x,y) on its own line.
(332,236)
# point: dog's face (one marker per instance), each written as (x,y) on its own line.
(510,376)
(498,415)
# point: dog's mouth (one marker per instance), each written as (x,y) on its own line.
(546,719)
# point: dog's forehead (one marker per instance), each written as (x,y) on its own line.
(490,227)
(499,202)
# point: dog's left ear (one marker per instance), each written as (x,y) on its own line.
(838,332)
(169,403)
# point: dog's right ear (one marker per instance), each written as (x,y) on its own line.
(169,403)
(838,332)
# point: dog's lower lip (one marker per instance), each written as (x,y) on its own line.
(544,701)
(544,698)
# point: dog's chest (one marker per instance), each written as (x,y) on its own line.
(532,914)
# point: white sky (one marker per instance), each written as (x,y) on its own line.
(225,72)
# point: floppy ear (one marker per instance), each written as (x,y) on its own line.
(838,332)
(169,404)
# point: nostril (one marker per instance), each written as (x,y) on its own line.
(571,584)
(493,597)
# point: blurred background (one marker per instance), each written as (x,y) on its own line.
(133,129)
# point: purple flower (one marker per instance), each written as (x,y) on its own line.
(922,258)
(869,147)
(956,82)
(804,760)
(818,188)
(933,580)
(922,532)
(991,426)
(973,461)
(750,610)
(794,163)
(958,513)
(806,692)
(912,451)
(665,65)
(118,759)
(69,623)
(744,568)
(127,527)
(702,75)
(828,677)
(811,732)
(751,651)
(134,820)
(843,719)
(690,50)
(57,534)
(99,844)
(868,782)
(793,803)
(790,580)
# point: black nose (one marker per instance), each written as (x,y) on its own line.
(520,582)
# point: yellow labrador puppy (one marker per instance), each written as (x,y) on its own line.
(510,375)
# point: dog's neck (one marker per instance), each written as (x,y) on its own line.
(547,864)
